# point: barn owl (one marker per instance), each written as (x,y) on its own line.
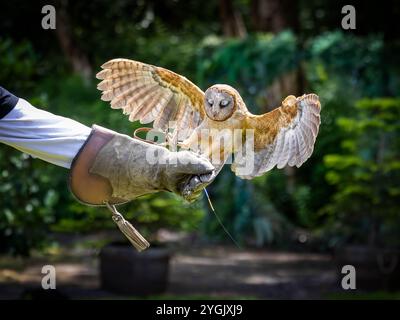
(283,136)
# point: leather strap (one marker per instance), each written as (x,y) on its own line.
(89,188)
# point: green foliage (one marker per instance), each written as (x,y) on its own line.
(28,199)
(17,61)
(367,173)
(357,62)
(28,188)
(248,64)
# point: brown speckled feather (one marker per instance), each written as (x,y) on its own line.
(148,93)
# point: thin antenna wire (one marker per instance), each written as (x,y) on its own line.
(219,220)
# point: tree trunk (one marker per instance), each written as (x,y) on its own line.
(232,20)
(275,15)
(75,56)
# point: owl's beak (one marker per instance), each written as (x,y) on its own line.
(215,109)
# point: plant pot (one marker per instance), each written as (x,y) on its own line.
(124,270)
(376,268)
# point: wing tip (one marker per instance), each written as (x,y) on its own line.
(112,62)
(311,99)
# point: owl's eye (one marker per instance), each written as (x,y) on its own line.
(210,102)
(224,103)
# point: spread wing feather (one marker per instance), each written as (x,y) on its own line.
(284,136)
(152,94)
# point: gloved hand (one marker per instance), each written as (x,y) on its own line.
(133,168)
(112,168)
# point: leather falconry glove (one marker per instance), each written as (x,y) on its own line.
(112,168)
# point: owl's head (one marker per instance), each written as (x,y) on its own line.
(221,101)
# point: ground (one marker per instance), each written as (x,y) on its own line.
(205,272)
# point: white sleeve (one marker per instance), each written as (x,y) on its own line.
(42,134)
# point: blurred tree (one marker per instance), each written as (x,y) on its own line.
(364,208)
(73,53)
(231,20)
(275,15)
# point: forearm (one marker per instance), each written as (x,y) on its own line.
(39,133)
(106,168)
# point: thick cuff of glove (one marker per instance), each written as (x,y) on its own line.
(116,168)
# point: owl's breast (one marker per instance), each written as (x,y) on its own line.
(234,122)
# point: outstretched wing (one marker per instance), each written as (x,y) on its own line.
(284,136)
(148,93)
